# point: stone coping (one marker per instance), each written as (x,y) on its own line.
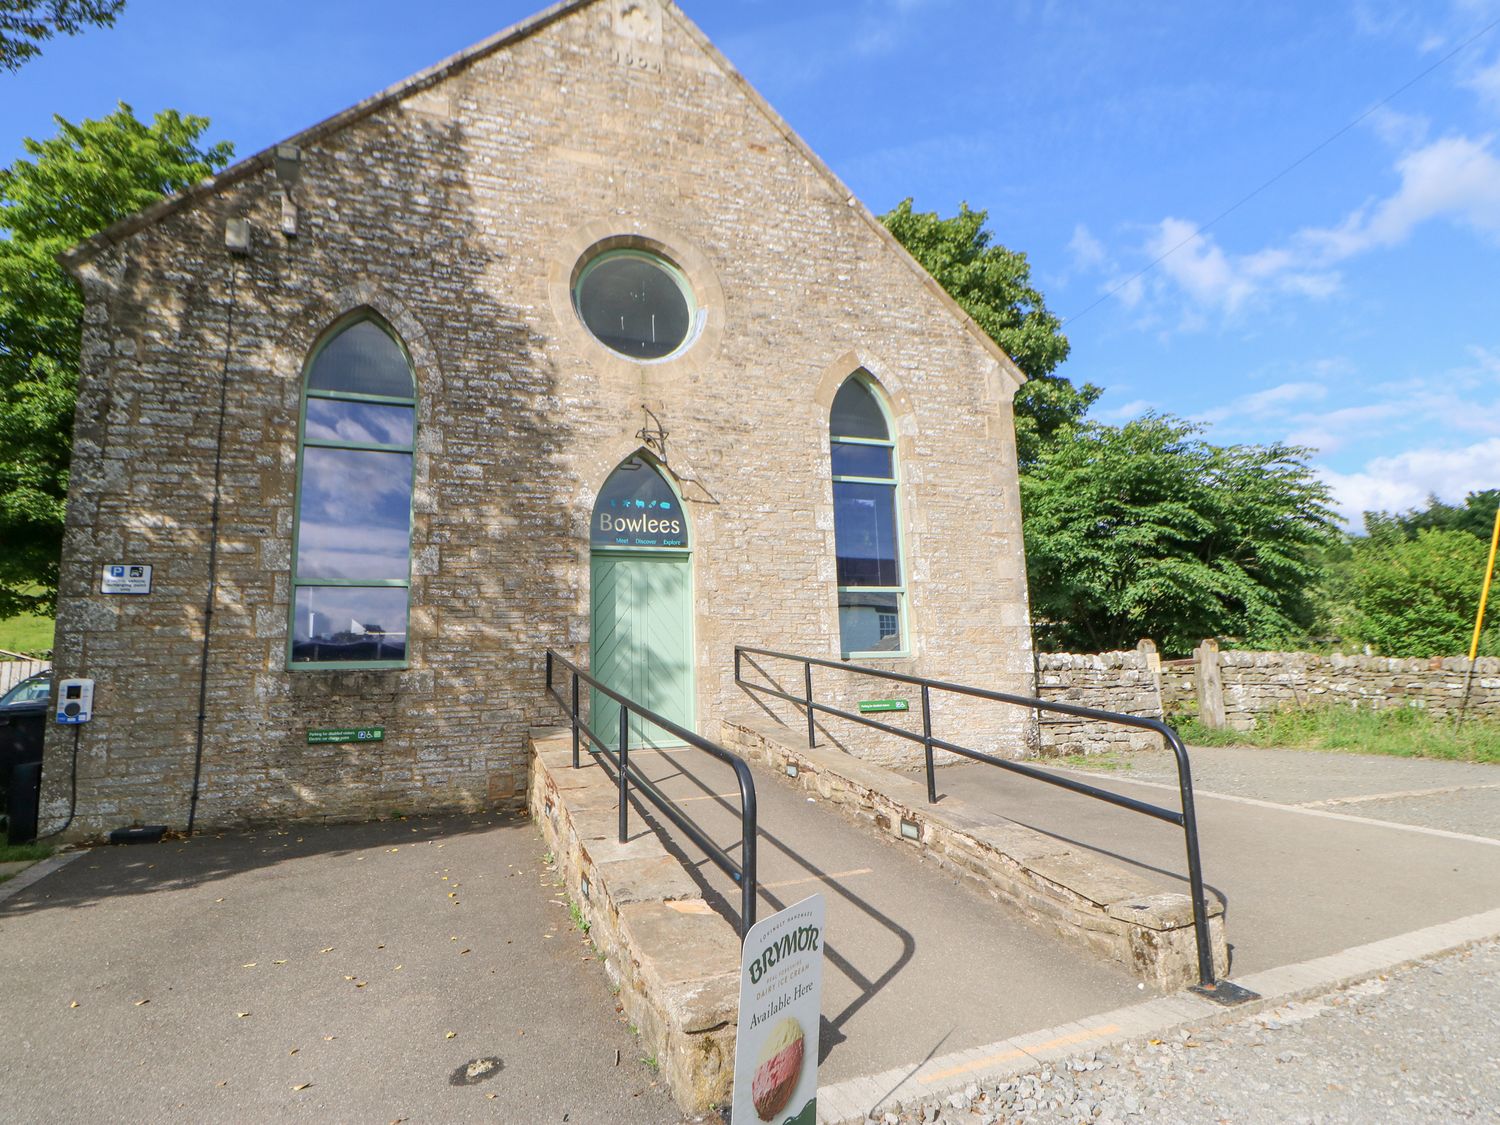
(1079,894)
(674,959)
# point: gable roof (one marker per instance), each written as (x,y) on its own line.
(79,255)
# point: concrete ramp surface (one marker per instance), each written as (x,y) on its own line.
(917,965)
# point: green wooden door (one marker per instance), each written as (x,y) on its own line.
(641,641)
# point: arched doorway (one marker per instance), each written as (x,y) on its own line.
(641,607)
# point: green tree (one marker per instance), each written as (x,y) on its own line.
(993,285)
(1476,515)
(1147,530)
(73,185)
(1418,596)
(26,24)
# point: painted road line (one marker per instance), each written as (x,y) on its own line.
(816,878)
(1396,796)
(704,797)
(1255,802)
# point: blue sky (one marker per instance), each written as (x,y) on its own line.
(1352,306)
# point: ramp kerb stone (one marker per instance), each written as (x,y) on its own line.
(675,960)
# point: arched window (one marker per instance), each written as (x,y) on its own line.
(866,527)
(351,567)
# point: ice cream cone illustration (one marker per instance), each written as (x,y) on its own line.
(779,1067)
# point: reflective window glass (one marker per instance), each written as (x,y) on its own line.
(344,623)
(864,531)
(358,423)
(856,413)
(866,528)
(352,568)
(861,460)
(635,303)
(354,520)
(362,359)
(869,621)
(27,691)
(637,508)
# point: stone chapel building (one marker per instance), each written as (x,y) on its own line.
(566,342)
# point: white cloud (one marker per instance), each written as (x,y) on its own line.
(1455,178)
(1406,480)
(1273,400)
(1125,411)
(1485,82)
(1330,431)
(1282,400)
(1402,131)
(1086,251)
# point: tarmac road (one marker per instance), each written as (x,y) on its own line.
(321,973)
(1302,874)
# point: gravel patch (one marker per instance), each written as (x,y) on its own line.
(1421,1044)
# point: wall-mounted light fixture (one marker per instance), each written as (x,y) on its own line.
(237,237)
(910,829)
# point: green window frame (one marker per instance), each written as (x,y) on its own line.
(867,514)
(356,455)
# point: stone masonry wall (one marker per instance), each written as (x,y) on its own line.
(1236,689)
(1125,682)
(1177,689)
(457,209)
(1256,684)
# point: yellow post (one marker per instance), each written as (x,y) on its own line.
(1484,596)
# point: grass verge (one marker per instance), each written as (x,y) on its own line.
(1109,760)
(1403,732)
(14,853)
(26,633)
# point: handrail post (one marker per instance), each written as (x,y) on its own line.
(812,735)
(624,763)
(927,743)
(575,718)
(549,670)
(748,820)
(1194,862)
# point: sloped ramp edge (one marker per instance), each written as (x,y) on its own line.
(674,959)
(1083,897)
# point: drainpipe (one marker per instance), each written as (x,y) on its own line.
(237,240)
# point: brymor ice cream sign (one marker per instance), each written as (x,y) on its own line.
(781,986)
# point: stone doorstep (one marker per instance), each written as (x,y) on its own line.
(1093,900)
(675,959)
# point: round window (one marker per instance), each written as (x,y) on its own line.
(635,303)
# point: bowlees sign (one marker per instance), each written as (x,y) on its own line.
(781,987)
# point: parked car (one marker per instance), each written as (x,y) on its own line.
(23,721)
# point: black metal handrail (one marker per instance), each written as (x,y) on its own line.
(1186,819)
(618,762)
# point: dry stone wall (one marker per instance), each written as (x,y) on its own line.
(1125,682)
(1256,684)
(1235,689)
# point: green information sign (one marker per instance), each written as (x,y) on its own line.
(868,705)
(346,734)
